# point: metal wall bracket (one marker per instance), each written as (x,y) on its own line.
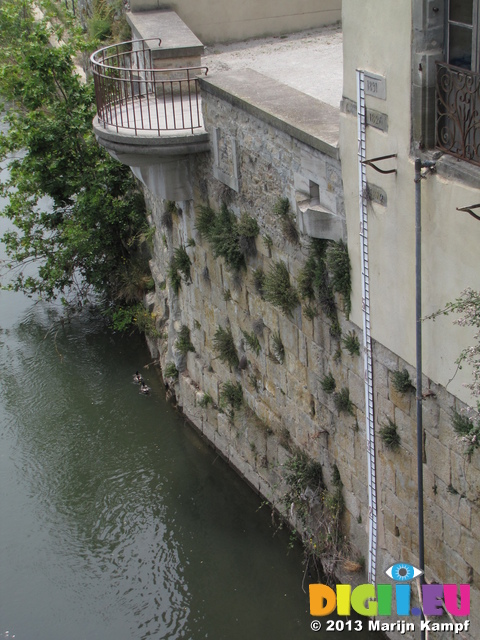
(469,210)
(379,159)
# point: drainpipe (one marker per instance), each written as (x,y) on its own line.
(419,164)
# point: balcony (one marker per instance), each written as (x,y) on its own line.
(458,111)
(149,118)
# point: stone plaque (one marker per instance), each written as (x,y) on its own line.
(377,119)
(375,86)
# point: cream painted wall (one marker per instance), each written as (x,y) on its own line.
(227,20)
(377,38)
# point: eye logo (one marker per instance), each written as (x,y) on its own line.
(402,572)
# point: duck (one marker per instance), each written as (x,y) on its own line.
(144,388)
(137,378)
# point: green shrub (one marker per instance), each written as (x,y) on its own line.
(278,348)
(310,312)
(328,383)
(282,210)
(205,400)
(259,281)
(342,401)
(170,370)
(278,290)
(467,428)
(230,238)
(205,220)
(338,262)
(183,343)
(252,342)
(224,345)
(401,381)
(351,343)
(182,262)
(174,277)
(390,436)
(232,395)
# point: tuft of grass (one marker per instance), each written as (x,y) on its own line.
(231,395)
(328,383)
(338,263)
(231,238)
(401,381)
(224,345)
(227,295)
(351,343)
(389,435)
(170,370)
(252,342)
(174,277)
(183,343)
(205,400)
(342,401)
(278,290)
(205,220)
(277,347)
(259,281)
(282,210)
(182,262)
(310,312)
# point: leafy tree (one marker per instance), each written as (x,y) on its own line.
(78,214)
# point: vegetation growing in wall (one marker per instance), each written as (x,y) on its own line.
(170,371)
(252,342)
(328,383)
(205,400)
(319,512)
(182,262)
(467,427)
(401,381)
(314,284)
(259,281)
(338,263)
(351,343)
(224,345)
(287,222)
(174,277)
(278,290)
(231,397)
(278,349)
(342,401)
(230,238)
(183,344)
(389,435)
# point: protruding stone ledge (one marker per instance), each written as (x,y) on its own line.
(305,118)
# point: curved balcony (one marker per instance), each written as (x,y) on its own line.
(148,117)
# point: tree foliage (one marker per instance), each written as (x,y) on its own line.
(77,213)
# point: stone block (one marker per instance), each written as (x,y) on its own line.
(406,426)
(356,386)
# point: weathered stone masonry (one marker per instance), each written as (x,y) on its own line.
(253,163)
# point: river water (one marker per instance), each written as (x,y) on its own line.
(117,521)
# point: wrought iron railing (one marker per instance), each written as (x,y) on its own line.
(458,112)
(132,94)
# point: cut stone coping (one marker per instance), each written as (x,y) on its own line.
(177,39)
(305,118)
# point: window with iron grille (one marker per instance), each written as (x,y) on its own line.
(458,83)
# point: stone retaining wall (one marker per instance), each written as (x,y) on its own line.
(252,166)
